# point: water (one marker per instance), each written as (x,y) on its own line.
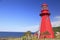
(11,34)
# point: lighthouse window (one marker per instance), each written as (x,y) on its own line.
(46,18)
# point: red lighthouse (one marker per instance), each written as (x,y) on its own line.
(46,30)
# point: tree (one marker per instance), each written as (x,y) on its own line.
(28,33)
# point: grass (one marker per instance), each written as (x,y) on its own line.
(31,39)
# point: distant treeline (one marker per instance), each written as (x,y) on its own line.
(56,29)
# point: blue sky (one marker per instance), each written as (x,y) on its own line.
(23,15)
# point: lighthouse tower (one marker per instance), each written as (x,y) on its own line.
(46,30)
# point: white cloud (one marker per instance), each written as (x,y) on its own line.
(57,22)
(58,17)
(19,29)
(33,28)
(30,28)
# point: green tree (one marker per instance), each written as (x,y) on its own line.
(28,35)
(23,38)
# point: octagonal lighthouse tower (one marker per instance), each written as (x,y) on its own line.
(46,30)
